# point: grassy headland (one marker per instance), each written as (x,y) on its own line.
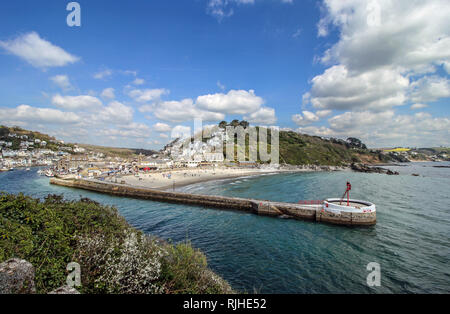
(302,149)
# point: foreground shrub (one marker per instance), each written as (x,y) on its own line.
(130,265)
(184,271)
(114,257)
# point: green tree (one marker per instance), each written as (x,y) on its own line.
(234,123)
(244,124)
(356,143)
(223,124)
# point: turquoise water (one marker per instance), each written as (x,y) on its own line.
(411,240)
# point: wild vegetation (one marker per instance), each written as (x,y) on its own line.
(114,257)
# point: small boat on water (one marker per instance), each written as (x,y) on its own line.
(28,169)
(49,174)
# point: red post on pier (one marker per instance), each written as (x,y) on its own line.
(347,191)
(349,187)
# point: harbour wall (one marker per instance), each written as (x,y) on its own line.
(259,207)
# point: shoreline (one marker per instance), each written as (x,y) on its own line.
(173,179)
(217,178)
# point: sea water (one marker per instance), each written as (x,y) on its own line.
(410,242)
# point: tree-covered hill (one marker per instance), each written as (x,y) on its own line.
(302,149)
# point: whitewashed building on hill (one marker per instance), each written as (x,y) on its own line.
(79,149)
(213,157)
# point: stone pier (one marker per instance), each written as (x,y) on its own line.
(259,207)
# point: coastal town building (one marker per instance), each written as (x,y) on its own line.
(214,157)
(79,150)
(72,162)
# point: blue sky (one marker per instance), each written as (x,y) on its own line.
(136,71)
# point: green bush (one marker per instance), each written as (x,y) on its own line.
(184,271)
(114,257)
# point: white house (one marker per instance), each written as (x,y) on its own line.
(79,150)
(213,157)
(9,153)
(198,157)
(192,164)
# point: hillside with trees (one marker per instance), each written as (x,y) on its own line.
(303,149)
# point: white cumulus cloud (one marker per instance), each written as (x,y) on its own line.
(308,117)
(418,106)
(184,110)
(381,129)
(323,113)
(103,74)
(138,81)
(180,131)
(108,93)
(162,127)
(38,52)
(384,47)
(388,54)
(116,112)
(76,102)
(337,88)
(147,95)
(62,81)
(264,116)
(234,102)
(430,88)
(34,115)
(408,34)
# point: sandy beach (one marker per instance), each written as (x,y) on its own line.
(178,178)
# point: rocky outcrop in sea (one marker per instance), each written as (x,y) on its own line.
(370,169)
